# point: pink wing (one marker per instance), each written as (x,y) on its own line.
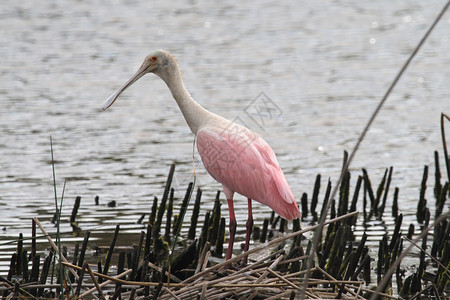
(244,163)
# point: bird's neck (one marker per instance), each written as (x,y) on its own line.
(194,114)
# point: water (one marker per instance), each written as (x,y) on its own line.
(325,64)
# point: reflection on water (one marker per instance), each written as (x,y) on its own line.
(325,65)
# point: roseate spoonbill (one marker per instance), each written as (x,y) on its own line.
(233,155)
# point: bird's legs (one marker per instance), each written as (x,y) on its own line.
(249,226)
(232,228)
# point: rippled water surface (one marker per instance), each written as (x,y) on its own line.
(325,64)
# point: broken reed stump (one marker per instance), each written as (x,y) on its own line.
(73,216)
(195,214)
(343,267)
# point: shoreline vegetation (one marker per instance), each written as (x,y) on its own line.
(276,269)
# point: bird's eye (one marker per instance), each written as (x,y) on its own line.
(154,58)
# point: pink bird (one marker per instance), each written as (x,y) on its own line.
(233,155)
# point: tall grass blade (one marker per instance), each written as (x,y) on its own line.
(58,219)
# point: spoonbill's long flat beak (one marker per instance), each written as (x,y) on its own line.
(141,72)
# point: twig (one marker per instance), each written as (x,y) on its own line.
(260,263)
(202,257)
(94,280)
(271,267)
(105,283)
(300,272)
(279,296)
(333,280)
(429,255)
(422,291)
(159,269)
(204,288)
(171,293)
(282,278)
(264,274)
(54,245)
(295,259)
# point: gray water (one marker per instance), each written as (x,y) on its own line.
(324,64)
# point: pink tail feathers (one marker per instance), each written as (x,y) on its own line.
(286,207)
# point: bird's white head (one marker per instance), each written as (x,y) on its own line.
(157,62)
